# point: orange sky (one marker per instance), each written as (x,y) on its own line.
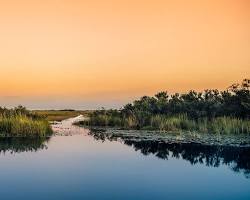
(88,54)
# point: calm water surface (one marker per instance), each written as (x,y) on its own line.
(92,165)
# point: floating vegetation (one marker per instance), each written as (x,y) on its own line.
(176,136)
(210,151)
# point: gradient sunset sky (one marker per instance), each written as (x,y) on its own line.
(88,54)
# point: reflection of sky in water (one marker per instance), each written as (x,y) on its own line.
(77,167)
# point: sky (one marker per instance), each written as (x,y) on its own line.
(88,54)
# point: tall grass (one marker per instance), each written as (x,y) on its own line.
(23,126)
(162,122)
(228,125)
(218,125)
(103,120)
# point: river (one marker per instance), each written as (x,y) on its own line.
(78,163)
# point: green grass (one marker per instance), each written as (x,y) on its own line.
(219,125)
(228,125)
(23,126)
(20,122)
(173,123)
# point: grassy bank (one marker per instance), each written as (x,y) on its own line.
(59,115)
(19,122)
(219,125)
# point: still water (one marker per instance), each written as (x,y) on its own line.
(78,163)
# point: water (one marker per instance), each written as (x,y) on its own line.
(81,164)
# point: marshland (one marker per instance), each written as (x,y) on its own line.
(210,111)
(122,164)
(152,148)
(124,99)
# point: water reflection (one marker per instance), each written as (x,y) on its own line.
(18,145)
(237,158)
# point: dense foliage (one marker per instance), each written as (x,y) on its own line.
(234,102)
(211,110)
(19,122)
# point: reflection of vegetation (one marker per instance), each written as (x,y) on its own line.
(238,158)
(17,145)
(211,111)
(19,122)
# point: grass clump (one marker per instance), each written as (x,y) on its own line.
(173,123)
(19,122)
(229,125)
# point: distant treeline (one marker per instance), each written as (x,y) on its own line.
(190,111)
(20,122)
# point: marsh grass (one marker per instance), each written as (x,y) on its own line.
(59,115)
(172,123)
(218,125)
(102,120)
(23,126)
(228,125)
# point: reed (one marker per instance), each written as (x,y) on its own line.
(229,125)
(162,122)
(23,126)
(218,125)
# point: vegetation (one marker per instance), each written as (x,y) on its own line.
(211,111)
(19,122)
(59,115)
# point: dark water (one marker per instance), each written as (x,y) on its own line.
(93,165)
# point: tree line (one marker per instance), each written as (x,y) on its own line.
(233,102)
(225,111)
